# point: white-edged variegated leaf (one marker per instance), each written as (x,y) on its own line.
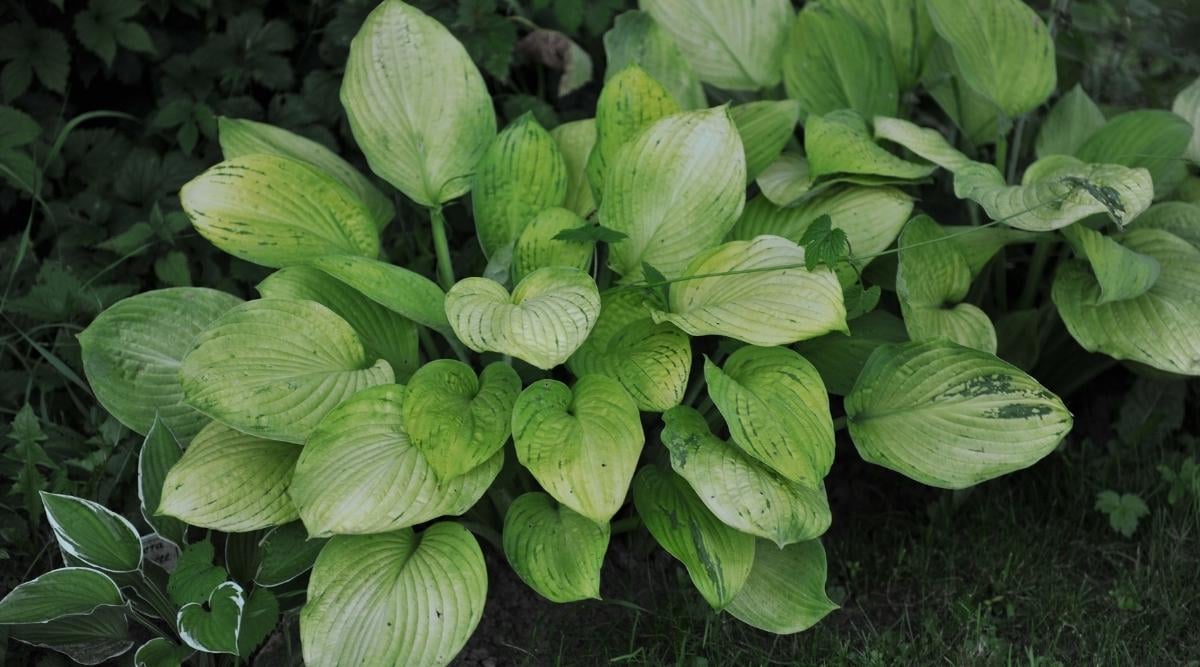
(360,473)
(398,598)
(765,127)
(785,592)
(160,450)
(537,248)
(630,101)
(1180,218)
(213,626)
(741,491)
(161,652)
(232,482)
(410,294)
(839,143)
(132,352)
(277,211)
(274,367)
(840,358)
(1151,139)
(74,610)
(902,24)
(544,320)
(1072,119)
(554,550)
(285,552)
(1121,273)
(417,106)
(89,533)
(787,180)
(951,416)
(1187,106)
(575,141)
(636,39)
(581,443)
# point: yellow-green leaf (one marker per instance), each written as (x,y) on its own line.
(554,550)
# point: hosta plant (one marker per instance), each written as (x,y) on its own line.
(682,307)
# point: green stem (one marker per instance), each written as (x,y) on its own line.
(1001,153)
(441,247)
(1014,157)
(1033,278)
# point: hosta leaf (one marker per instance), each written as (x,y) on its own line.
(903,25)
(274,367)
(786,181)
(91,534)
(213,626)
(636,39)
(629,102)
(240,137)
(1180,218)
(1157,328)
(161,652)
(840,358)
(925,142)
(159,452)
(417,106)
(360,473)
(979,244)
(1120,272)
(232,482)
(521,173)
(1149,138)
(399,598)
(581,443)
(1002,47)
(764,128)
(832,61)
(651,361)
(195,576)
(979,119)
(738,489)
(1072,119)
(777,410)
(132,353)
(276,211)
(755,303)
(539,245)
(545,319)
(575,141)
(950,416)
(74,610)
(456,420)
(732,45)
(962,323)
(839,143)
(1187,106)
(286,552)
(717,557)
(554,550)
(259,619)
(410,294)
(785,592)
(383,332)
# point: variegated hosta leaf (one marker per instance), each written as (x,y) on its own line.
(741,491)
(765,127)
(383,332)
(537,248)
(160,451)
(785,592)
(1002,47)
(232,482)
(240,136)
(417,106)
(832,61)
(1072,119)
(718,558)
(675,190)
(456,420)
(410,294)
(274,367)
(651,360)
(74,610)
(976,116)
(1157,328)
(636,39)
(979,244)
(161,652)
(547,317)
(581,443)
(520,174)
(777,410)
(285,552)
(1153,139)
(732,45)
(132,352)
(950,416)
(755,303)
(575,141)
(277,211)
(554,550)
(394,599)
(840,358)
(629,102)
(903,25)
(839,143)
(213,626)
(1180,218)
(89,533)
(360,473)
(787,180)
(1187,107)
(1120,272)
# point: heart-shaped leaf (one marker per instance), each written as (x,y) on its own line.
(628,103)
(764,127)
(636,39)
(540,246)
(840,358)
(161,652)
(213,627)
(785,592)
(74,610)
(554,550)
(582,443)
(902,24)
(459,421)
(410,294)
(833,62)
(575,141)
(195,576)
(159,452)
(547,317)
(92,534)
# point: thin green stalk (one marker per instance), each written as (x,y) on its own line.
(441,247)
(154,597)
(1014,157)
(1001,153)
(1033,277)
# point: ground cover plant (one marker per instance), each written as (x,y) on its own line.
(655,319)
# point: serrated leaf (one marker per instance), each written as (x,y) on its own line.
(554,550)
(1125,511)
(824,245)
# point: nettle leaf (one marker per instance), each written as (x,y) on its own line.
(133,350)
(409,294)
(979,119)
(276,211)
(950,416)
(629,102)
(556,237)
(546,318)
(777,410)
(785,592)
(1156,328)
(1187,106)
(93,535)
(786,181)
(903,25)
(240,137)
(651,361)
(394,599)
(1120,272)
(739,489)
(823,245)
(1180,218)
(459,421)
(232,482)
(274,367)
(752,301)
(833,62)
(732,45)
(360,473)
(636,39)
(840,358)
(1072,119)
(73,610)
(1152,139)
(418,107)
(575,141)
(1125,510)
(1002,47)
(213,626)
(520,174)
(718,558)
(160,451)
(581,443)
(554,550)
(286,552)
(765,128)
(839,143)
